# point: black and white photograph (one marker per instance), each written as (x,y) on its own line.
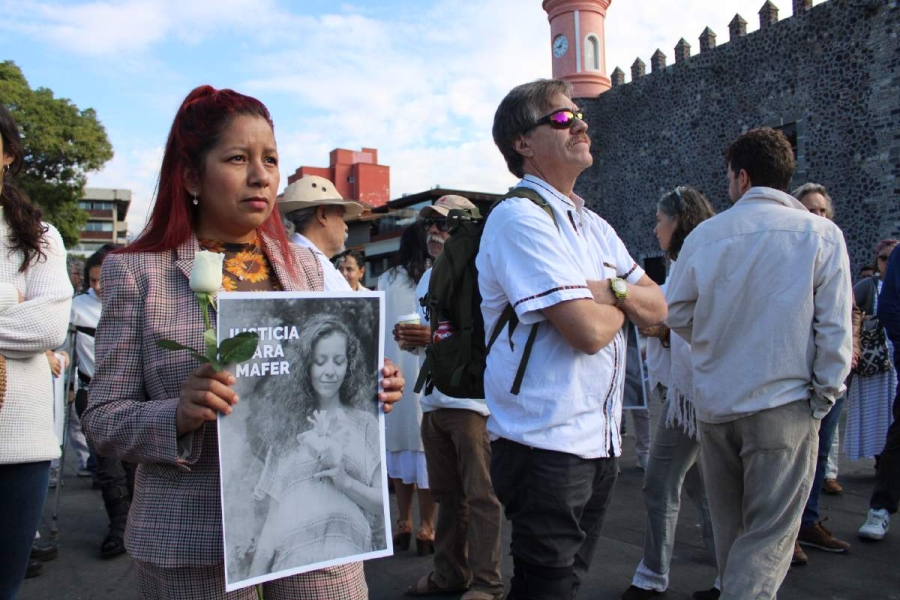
(301,454)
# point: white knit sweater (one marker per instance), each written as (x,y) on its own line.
(27,329)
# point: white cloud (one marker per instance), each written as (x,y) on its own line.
(107,29)
(421,86)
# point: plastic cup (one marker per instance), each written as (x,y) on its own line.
(410,319)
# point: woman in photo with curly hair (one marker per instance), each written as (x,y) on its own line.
(323,468)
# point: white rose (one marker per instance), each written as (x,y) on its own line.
(206,275)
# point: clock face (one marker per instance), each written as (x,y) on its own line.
(560,45)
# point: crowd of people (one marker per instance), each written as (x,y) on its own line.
(765,283)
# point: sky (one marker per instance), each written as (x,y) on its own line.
(417,79)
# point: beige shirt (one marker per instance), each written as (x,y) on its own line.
(762,293)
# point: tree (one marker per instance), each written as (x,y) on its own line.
(62,144)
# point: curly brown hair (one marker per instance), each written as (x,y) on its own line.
(24,218)
(285,416)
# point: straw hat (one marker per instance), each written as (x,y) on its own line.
(312,190)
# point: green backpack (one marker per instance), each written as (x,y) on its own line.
(456,357)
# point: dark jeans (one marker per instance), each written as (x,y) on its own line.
(887,478)
(556,503)
(24,489)
(827,427)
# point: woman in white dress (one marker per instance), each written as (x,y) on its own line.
(405,453)
(870,398)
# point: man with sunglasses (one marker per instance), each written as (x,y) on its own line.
(762,293)
(571,283)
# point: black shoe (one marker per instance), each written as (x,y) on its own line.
(34,569)
(710,594)
(44,551)
(636,593)
(117,503)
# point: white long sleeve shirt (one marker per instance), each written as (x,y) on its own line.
(85,313)
(27,330)
(762,293)
(334,281)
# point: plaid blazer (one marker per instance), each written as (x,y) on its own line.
(176,517)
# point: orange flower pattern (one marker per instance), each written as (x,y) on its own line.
(246,267)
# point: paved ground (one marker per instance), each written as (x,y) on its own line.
(870,571)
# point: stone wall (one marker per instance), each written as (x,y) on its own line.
(832,72)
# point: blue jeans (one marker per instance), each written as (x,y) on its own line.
(827,428)
(24,488)
(673,465)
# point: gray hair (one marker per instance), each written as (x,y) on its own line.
(815,188)
(519,111)
(300,220)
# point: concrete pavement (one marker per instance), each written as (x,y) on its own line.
(870,571)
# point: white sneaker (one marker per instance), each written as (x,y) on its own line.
(877,524)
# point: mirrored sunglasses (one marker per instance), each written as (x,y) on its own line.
(440,222)
(563,118)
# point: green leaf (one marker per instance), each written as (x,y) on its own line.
(170,345)
(200,357)
(239,348)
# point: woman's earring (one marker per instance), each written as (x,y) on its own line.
(196,202)
(6,168)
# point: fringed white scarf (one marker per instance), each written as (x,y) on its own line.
(680,412)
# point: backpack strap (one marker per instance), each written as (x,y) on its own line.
(423,376)
(509,313)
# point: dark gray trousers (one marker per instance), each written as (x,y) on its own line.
(556,503)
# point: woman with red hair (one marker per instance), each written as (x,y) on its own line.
(216,191)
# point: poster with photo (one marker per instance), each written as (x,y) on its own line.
(301,455)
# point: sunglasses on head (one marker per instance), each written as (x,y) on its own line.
(562,118)
(440,222)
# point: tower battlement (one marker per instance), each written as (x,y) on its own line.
(737,28)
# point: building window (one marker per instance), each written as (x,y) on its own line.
(591,53)
(793,128)
(790,131)
(98,226)
(95,205)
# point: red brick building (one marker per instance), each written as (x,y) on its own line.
(356,175)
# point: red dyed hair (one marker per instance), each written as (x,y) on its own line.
(202,118)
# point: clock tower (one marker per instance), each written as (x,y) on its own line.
(578,44)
